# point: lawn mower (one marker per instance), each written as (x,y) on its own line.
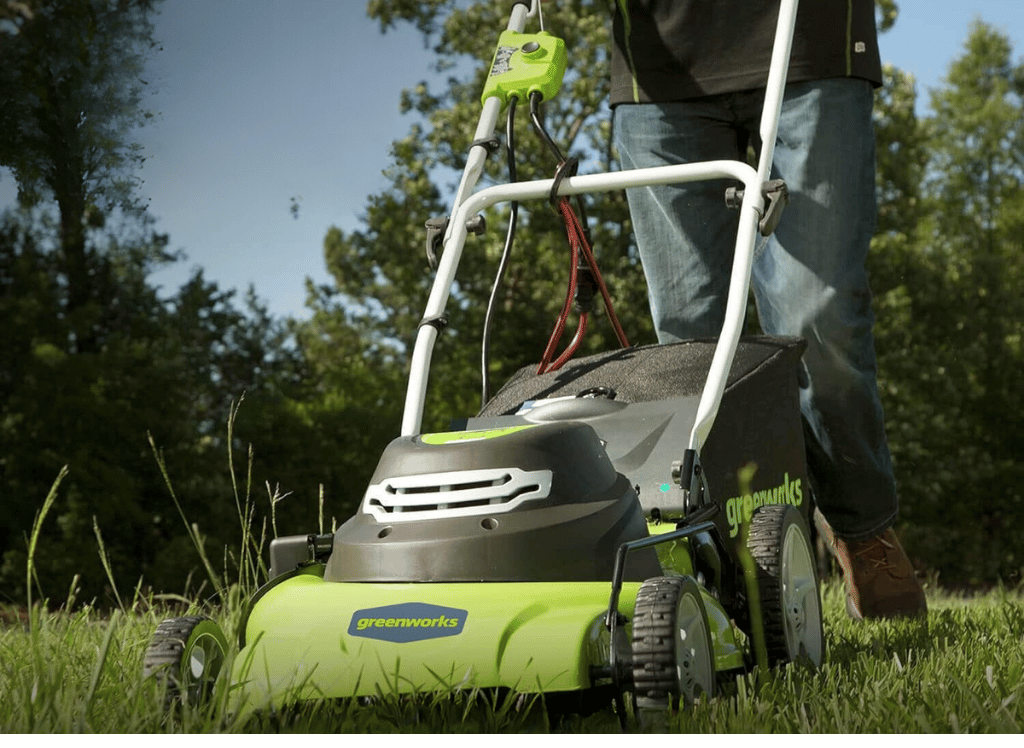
(626,526)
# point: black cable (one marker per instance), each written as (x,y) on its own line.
(485,393)
(535,98)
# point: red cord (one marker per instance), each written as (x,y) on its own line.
(570,351)
(570,217)
(577,243)
(563,317)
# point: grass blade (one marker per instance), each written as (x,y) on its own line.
(37,526)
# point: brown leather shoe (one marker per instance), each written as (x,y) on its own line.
(880,580)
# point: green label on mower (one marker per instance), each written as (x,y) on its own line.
(740,509)
(470,436)
(407,622)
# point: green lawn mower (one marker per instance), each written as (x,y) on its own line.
(628,526)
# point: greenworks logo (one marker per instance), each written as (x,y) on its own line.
(407,622)
(741,508)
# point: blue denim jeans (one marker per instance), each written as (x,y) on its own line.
(809,280)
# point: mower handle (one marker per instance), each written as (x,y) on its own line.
(751,211)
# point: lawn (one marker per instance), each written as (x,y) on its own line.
(960,670)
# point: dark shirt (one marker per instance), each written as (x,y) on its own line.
(673,50)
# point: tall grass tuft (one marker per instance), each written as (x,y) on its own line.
(37,526)
(191,528)
(106,562)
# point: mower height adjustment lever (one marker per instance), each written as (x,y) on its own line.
(776,196)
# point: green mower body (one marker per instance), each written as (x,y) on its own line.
(489,557)
(311,639)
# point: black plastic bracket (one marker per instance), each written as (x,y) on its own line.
(682,470)
(320,547)
(436,228)
(492,144)
(476,225)
(776,197)
(688,475)
(567,168)
(586,287)
(438,322)
(696,495)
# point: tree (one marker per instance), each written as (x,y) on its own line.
(946,274)
(71,83)
(977,137)
(94,362)
(170,369)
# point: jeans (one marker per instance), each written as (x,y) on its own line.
(809,280)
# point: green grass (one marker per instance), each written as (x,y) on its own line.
(80,670)
(961,670)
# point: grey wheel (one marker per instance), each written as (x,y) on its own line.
(673,657)
(187,654)
(787,580)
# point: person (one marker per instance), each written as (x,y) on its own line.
(687,84)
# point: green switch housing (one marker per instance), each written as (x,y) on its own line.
(524,63)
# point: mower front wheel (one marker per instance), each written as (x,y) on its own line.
(673,657)
(187,655)
(787,581)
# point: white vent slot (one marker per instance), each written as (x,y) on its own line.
(455,494)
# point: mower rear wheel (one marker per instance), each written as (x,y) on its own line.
(187,654)
(787,580)
(673,658)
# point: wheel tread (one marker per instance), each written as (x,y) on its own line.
(655,681)
(766,536)
(163,658)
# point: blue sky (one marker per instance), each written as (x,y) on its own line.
(263,100)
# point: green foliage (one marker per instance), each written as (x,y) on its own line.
(71,82)
(166,368)
(950,314)
(888,11)
(94,361)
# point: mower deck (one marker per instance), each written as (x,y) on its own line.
(307,638)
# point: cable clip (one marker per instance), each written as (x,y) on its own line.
(438,322)
(567,168)
(492,144)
